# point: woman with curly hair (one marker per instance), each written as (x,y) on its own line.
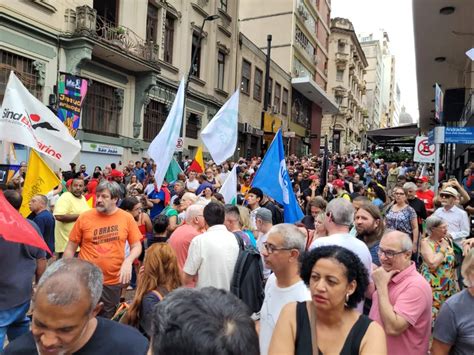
(160,276)
(329,324)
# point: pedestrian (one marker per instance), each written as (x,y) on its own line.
(66,211)
(205,321)
(454,327)
(213,254)
(101,233)
(281,252)
(329,323)
(64,320)
(402,301)
(19,265)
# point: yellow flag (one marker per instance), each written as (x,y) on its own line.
(40,179)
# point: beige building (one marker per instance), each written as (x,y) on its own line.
(300,35)
(256,125)
(346,70)
(134,53)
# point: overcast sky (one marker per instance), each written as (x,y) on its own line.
(394,17)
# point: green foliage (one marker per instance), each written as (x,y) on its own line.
(390,156)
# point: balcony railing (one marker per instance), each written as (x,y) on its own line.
(90,24)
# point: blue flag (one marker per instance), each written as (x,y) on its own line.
(273,179)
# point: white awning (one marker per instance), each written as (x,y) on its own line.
(306,86)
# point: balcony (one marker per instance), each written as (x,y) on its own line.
(341,60)
(113,39)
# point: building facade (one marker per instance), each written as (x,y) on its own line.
(300,37)
(346,70)
(133,54)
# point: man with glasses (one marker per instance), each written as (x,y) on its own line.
(457,219)
(339,218)
(402,301)
(281,251)
(264,222)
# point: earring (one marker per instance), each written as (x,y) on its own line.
(347,299)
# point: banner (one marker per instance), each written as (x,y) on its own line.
(40,179)
(273,179)
(71,93)
(14,228)
(163,145)
(26,120)
(229,188)
(424,152)
(220,135)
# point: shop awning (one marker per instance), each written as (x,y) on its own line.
(401,135)
(306,86)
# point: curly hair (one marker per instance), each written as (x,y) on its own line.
(355,270)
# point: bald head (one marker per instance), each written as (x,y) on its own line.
(395,251)
(68,280)
(192,212)
(403,239)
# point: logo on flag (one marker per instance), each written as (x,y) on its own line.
(26,120)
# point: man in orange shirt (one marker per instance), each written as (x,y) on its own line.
(101,233)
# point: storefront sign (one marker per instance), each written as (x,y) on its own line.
(102,148)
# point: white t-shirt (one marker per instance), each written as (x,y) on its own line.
(212,256)
(262,239)
(275,299)
(355,245)
(192,184)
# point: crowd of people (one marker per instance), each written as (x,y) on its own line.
(379,264)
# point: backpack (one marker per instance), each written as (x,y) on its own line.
(247,280)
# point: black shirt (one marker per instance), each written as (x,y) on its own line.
(109,338)
(420,209)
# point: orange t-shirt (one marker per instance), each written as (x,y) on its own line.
(102,240)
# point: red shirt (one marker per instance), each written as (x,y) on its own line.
(427,197)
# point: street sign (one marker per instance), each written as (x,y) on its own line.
(179,144)
(424,152)
(459,135)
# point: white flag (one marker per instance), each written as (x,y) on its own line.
(229,188)
(220,135)
(26,120)
(164,145)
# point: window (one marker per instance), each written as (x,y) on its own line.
(340,75)
(277,97)
(193,125)
(169,40)
(269,92)
(154,119)
(24,70)
(246,73)
(223,5)
(284,103)
(151,23)
(341,46)
(196,51)
(257,84)
(102,109)
(220,70)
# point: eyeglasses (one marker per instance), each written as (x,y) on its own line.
(270,248)
(399,193)
(445,196)
(388,253)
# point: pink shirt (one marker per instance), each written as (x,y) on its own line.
(180,240)
(411,298)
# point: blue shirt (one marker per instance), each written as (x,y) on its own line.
(140,174)
(157,207)
(203,186)
(45,221)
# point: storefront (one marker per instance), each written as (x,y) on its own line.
(96,154)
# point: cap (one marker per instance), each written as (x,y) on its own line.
(423,178)
(338,183)
(450,191)
(264,214)
(116,173)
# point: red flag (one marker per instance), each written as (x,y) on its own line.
(14,228)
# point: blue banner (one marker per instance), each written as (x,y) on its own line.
(273,179)
(459,135)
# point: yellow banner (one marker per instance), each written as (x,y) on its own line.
(40,179)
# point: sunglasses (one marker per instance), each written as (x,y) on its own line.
(445,196)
